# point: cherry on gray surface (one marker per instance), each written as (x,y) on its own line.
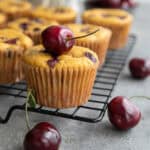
(122,113)
(139,68)
(44,136)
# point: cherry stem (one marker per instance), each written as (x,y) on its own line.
(145,97)
(83,36)
(26,110)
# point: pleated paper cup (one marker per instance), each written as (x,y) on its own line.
(36,37)
(119,34)
(119,37)
(10,66)
(60,88)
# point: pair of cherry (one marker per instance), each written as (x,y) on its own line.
(121,112)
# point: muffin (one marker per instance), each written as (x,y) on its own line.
(12,46)
(98,42)
(119,21)
(62,82)
(31,27)
(3,20)
(60,14)
(14,9)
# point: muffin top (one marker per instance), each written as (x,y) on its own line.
(30,26)
(3,18)
(60,14)
(14,6)
(76,57)
(83,29)
(12,39)
(107,16)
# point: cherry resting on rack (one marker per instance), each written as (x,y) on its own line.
(139,68)
(43,136)
(123,114)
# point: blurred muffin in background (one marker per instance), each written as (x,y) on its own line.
(13,44)
(60,14)
(15,9)
(118,21)
(31,27)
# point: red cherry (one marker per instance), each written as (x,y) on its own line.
(123,114)
(55,40)
(139,68)
(43,136)
(114,3)
(109,3)
(128,4)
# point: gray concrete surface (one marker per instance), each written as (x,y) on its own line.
(100,136)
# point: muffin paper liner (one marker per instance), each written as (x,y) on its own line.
(10,67)
(60,88)
(119,34)
(119,37)
(36,37)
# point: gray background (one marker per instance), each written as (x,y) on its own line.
(100,136)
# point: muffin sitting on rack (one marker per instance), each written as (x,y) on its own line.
(117,20)
(31,27)
(12,46)
(60,14)
(14,9)
(59,74)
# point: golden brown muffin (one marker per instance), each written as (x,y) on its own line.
(119,21)
(97,42)
(12,46)
(14,9)
(60,82)
(60,14)
(31,27)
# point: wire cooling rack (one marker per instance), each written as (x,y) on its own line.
(94,110)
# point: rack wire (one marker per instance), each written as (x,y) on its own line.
(95,109)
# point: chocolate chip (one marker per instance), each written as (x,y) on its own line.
(121,17)
(24,26)
(52,62)
(60,10)
(109,15)
(37,20)
(91,57)
(11,41)
(36,29)
(85,29)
